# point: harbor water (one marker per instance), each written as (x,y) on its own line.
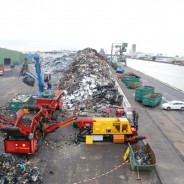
(170,74)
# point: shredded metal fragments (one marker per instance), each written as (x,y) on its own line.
(16,170)
(142,158)
(21,98)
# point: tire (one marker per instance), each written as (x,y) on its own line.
(168,108)
(182,109)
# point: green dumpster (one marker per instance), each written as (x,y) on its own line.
(142,91)
(130,79)
(19,100)
(152,99)
(142,157)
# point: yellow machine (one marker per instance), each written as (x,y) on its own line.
(111,126)
(118,130)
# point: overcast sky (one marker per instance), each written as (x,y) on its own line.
(153,25)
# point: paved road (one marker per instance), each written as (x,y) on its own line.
(164,129)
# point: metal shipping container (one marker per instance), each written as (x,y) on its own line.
(152,99)
(142,157)
(19,100)
(142,91)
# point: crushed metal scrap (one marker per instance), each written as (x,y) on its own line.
(89,84)
(16,170)
(142,158)
(21,98)
(57,63)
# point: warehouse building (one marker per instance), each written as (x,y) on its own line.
(11,57)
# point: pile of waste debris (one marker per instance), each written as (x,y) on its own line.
(57,63)
(89,84)
(16,170)
(21,98)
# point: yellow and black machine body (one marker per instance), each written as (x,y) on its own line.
(118,130)
(111,126)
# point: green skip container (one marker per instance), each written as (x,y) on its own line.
(19,100)
(136,162)
(130,79)
(142,91)
(152,99)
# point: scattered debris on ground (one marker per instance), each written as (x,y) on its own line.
(7,113)
(18,171)
(57,63)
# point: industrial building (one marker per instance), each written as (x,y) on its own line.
(11,57)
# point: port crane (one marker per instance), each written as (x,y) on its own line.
(117,49)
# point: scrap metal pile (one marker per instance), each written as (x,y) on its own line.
(21,98)
(14,171)
(142,158)
(57,63)
(89,84)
